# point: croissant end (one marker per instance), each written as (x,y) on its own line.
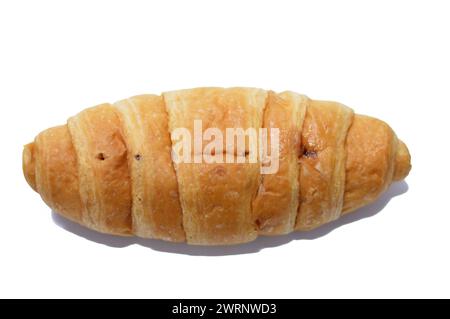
(28,165)
(402,162)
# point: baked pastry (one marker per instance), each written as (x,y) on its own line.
(111,167)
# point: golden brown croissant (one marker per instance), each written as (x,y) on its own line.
(111,168)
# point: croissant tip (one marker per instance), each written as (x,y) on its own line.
(402,162)
(28,165)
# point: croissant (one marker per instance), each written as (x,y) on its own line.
(112,167)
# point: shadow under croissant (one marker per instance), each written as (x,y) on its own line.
(252,247)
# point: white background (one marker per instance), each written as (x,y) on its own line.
(388,59)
